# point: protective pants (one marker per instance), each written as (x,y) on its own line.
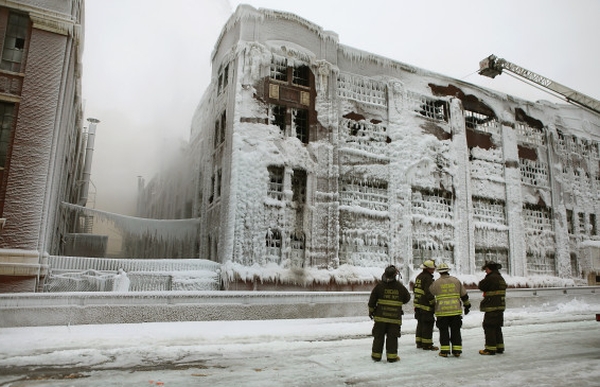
(449,327)
(424,334)
(388,334)
(492,328)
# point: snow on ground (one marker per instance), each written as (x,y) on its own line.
(550,345)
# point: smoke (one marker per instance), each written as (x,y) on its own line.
(147,62)
(146,65)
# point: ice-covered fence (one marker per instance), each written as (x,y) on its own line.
(68,274)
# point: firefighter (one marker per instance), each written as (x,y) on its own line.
(424,303)
(493,305)
(385,308)
(450,299)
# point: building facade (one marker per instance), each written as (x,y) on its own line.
(308,153)
(41,138)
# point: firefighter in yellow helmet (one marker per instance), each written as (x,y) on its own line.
(424,303)
(450,299)
(385,308)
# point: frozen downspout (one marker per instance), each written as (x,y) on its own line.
(87,166)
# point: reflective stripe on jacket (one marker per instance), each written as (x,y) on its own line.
(386,300)
(494,292)
(423,299)
(449,292)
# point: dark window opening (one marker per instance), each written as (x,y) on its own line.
(301,125)
(279,69)
(435,109)
(13,53)
(570,224)
(273,243)
(301,76)
(223,126)
(279,115)
(299,186)
(6,124)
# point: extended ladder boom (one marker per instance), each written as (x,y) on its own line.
(493,66)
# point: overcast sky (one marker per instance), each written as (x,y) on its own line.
(146,63)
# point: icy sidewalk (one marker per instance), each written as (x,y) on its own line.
(551,346)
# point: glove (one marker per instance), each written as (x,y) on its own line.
(467,310)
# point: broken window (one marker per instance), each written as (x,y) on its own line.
(436,109)
(534,172)
(220,126)
(276,175)
(481,122)
(422,251)
(279,69)
(223,79)
(366,193)
(223,125)
(432,203)
(300,119)
(301,76)
(499,255)
(570,223)
(218,180)
(574,265)
(278,114)
(581,223)
(297,247)
(593,229)
(537,218)
(362,89)
(299,186)
(273,242)
(530,134)
(489,211)
(13,53)
(539,263)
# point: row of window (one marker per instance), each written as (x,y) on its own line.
(280,72)
(276,184)
(580,146)
(13,51)
(585,225)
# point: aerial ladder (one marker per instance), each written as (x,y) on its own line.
(493,66)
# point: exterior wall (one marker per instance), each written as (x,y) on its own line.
(401,164)
(44,156)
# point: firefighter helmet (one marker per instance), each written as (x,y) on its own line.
(428,264)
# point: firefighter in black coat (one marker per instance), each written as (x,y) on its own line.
(385,308)
(424,303)
(493,305)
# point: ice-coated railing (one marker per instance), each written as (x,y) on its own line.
(63,263)
(76,274)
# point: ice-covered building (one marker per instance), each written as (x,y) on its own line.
(42,144)
(306,153)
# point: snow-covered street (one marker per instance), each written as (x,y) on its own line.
(550,345)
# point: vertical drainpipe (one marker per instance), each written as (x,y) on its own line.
(87,166)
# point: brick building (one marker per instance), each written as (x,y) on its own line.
(41,138)
(306,153)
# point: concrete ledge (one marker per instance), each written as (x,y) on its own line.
(80,308)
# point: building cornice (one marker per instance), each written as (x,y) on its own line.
(45,19)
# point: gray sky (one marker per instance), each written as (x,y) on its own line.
(146,63)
